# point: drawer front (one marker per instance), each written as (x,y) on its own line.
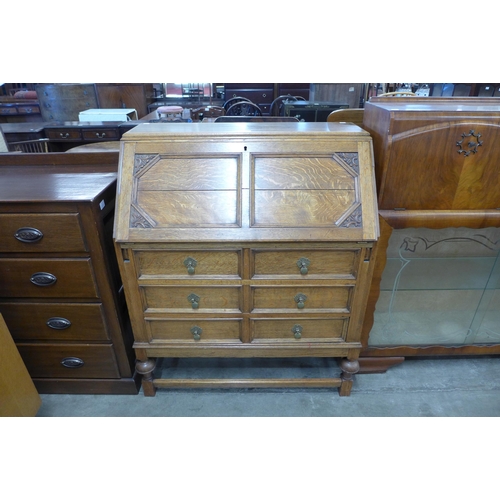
(28,110)
(299,329)
(256,96)
(63,134)
(47,278)
(301,298)
(192,299)
(69,360)
(101,134)
(8,110)
(317,264)
(188,263)
(41,233)
(196,331)
(55,321)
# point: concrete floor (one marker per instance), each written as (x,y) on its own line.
(445,387)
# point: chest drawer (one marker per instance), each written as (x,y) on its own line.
(196,330)
(28,110)
(299,329)
(47,278)
(102,134)
(301,298)
(192,299)
(55,321)
(69,360)
(63,134)
(41,233)
(155,264)
(314,264)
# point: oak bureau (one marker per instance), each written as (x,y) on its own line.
(246,240)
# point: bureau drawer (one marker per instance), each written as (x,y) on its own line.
(63,134)
(156,264)
(317,264)
(47,278)
(100,134)
(299,329)
(196,330)
(301,298)
(41,233)
(55,321)
(192,299)
(69,360)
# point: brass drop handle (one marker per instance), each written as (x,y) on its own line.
(300,298)
(28,235)
(190,264)
(303,264)
(43,279)
(297,331)
(194,299)
(64,136)
(196,331)
(100,136)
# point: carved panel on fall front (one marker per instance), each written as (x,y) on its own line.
(184,191)
(306,191)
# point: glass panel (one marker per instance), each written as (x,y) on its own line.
(440,286)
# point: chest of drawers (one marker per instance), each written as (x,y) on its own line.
(59,281)
(246,240)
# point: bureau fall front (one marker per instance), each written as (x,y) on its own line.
(246,240)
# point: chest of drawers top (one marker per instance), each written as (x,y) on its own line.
(242,182)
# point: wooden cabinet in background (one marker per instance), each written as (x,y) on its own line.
(435,289)
(125,95)
(246,242)
(60,289)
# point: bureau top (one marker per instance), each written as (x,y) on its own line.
(269,130)
(247,182)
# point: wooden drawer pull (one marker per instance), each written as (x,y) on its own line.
(72,362)
(28,235)
(297,331)
(190,264)
(194,300)
(300,298)
(57,323)
(43,279)
(303,264)
(196,331)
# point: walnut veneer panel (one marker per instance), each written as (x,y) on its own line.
(436,165)
(246,240)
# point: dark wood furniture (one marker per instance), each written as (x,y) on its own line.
(14,110)
(246,240)
(261,94)
(60,293)
(125,95)
(64,101)
(67,135)
(27,131)
(435,286)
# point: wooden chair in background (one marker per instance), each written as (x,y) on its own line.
(351,115)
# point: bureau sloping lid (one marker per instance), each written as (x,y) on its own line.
(246,182)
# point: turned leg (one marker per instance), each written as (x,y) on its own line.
(146,368)
(349,367)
